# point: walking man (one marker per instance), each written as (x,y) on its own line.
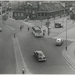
(28,28)
(14,35)
(20,27)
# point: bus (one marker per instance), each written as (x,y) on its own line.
(36,30)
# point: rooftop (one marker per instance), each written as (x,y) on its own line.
(50,7)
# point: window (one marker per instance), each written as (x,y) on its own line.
(26,10)
(29,11)
(18,14)
(42,14)
(45,14)
(21,14)
(38,14)
(15,14)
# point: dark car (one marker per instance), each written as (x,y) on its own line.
(58,25)
(39,55)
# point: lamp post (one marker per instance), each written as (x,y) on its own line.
(54,20)
(66,34)
(34,16)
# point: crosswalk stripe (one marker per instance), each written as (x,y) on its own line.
(69,39)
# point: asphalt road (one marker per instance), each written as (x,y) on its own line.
(55,63)
(70,34)
(7,58)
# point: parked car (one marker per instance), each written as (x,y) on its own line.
(0,29)
(59,42)
(58,25)
(39,55)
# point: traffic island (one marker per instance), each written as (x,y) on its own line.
(69,55)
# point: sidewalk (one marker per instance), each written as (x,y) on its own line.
(69,54)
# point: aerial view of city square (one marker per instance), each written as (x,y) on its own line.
(37,37)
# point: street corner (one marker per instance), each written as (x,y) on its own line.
(69,59)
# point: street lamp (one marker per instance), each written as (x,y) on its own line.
(66,33)
(34,16)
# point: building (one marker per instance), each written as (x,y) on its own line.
(4,6)
(38,10)
(25,10)
(49,10)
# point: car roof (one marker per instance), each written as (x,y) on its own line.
(59,39)
(39,51)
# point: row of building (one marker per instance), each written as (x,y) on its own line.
(36,9)
(3,6)
(39,10)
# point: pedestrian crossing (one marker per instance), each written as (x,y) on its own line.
(64,38)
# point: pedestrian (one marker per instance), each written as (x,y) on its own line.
(23,71)
(20,27)
(14,35)
(28,28)
(44,32)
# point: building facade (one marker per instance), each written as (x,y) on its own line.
(38,10)
(24,11)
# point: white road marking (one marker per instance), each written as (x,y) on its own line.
(25,67)
(17,66)
(20,64)
(69,39)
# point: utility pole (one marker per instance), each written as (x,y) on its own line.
(66,33)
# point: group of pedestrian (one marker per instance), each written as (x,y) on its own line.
(22,26)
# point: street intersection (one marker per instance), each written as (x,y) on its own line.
(55,63)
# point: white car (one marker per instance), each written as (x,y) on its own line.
(39,55)
(59,41)
(0,29)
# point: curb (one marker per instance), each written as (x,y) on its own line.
(67,59)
